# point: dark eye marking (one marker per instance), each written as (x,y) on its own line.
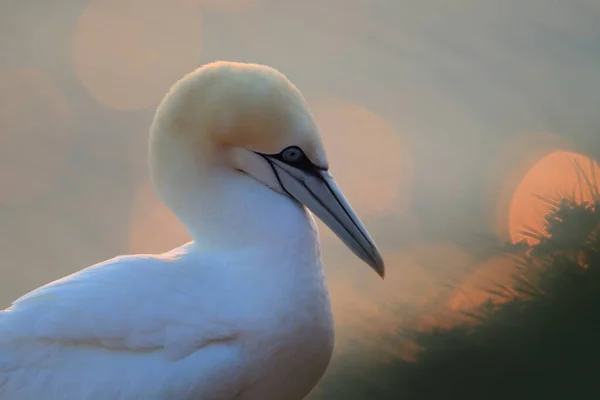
(294,156)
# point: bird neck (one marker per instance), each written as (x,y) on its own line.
(233,210)
(226,209)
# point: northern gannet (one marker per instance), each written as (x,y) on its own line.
(241,312)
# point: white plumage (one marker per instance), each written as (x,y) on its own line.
(242,312)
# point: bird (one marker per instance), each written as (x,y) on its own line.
(242,311)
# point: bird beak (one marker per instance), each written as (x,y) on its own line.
(317,190)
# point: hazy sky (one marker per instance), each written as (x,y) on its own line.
(432,112)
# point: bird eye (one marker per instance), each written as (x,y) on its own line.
(292,154)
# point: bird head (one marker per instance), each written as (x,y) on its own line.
(252,119)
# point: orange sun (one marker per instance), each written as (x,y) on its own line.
(558,175)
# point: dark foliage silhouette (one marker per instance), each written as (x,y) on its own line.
(542,342)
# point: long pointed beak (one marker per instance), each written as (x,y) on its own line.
(318,191)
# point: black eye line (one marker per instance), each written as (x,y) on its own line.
(318,199)
(302,163)
(276,173)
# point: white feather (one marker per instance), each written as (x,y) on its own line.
(242,312)
(188,324)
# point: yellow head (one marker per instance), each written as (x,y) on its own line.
(252,119)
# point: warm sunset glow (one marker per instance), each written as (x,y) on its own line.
(35,134)
(370,161)
(153,227)
(413,295)
(446,124)
(128,52)
(509,165)
(473,290)
(554,176)
(367,309)
(446,264)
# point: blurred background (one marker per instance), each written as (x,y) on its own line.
(445,122)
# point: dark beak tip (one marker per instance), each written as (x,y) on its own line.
(378,265)
(380,271)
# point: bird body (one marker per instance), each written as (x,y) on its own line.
(241,312)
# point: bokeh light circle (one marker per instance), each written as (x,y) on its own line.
(507,168)
(153,227)
(127,53)
(369,160)
(553,177)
